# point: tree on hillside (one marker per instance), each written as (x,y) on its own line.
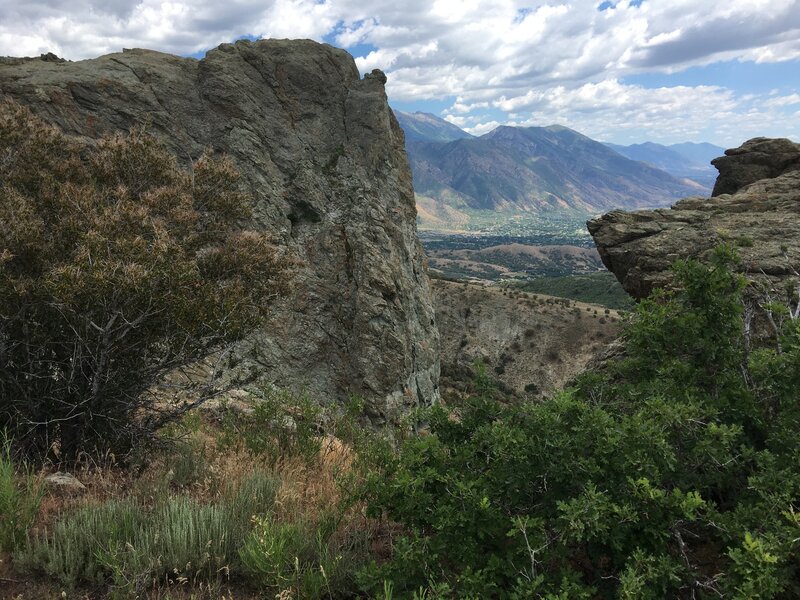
(117,267)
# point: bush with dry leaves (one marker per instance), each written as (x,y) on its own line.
(117,267)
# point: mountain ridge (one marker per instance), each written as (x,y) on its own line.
(686,160)
(426,127)
(539,169)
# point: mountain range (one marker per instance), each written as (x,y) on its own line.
(687,160)
(425,127)
(548,170)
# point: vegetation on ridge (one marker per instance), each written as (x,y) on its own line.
(116,268)
(671,472)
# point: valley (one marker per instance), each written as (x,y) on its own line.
(246,352)
(510,207)
(554,256)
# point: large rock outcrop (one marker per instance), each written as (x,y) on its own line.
(323,157)
(756,159)
(755,207)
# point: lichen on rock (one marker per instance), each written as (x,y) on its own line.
(755,208)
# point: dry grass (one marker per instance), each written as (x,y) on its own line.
(309,492)
(309,488)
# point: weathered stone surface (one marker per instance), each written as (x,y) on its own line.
(761,218)
(64,481)
(323,158)
(759,158)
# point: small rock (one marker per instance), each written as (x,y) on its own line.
(64,481)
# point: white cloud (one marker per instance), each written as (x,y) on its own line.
(457,121)
(482,128)
(562,59)
(781,101)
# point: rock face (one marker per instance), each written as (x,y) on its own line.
(755,207)
(322,155)
(756,159)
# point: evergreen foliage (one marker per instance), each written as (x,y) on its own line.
(672,473)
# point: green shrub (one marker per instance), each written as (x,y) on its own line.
(72,552)
(187,464)
(674,472)
(313,560)
(129,545)
(280,426)
(117,267)
(252,496)
(20,496)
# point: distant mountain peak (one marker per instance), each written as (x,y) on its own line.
(557,127)
(687,160)
(426,127)
(552,169)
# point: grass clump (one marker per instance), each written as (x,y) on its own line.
(130,545)
(303,558)
(280,426)
(20,496)
(72,552)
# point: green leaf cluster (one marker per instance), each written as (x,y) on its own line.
(673,472)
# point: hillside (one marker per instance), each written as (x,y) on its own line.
(541,169)
(687,160)
(495,262)
(532,343)
(425,127)
(702,153)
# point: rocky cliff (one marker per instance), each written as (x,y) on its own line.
(755,207)
(323,157)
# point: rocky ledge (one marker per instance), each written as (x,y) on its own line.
(323,158)
(755,207)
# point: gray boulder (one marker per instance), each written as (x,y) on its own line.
(756,159)
(64,482)
(760,217)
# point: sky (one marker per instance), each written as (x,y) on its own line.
(624,71)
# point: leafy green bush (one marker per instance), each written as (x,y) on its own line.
(20,496)
(130,546)
(674,472)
